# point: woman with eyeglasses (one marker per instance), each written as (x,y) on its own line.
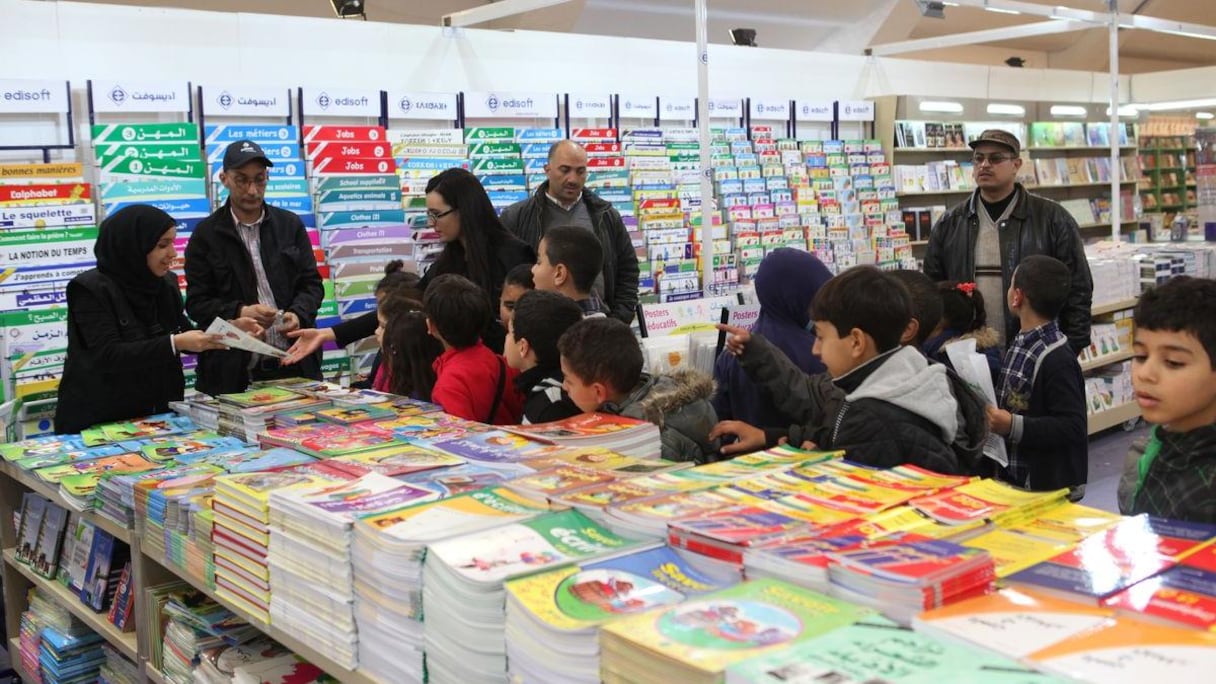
(475,245)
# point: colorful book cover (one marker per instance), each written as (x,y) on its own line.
(33,509)
(730,626)
(1131,652)
(295,435)
(1012,622)
(255,460)
(126,462)
(1012,551)
(580,597)
(492,446)
(71,456)
(425,427)
(345,500)
(187,448)
(561,480)
(586,425)
(915,562)
(403,460)
(46,445)
(349,415)
(263,396)
(1068,522)
(152,426)
(343,444)
(984,500)
(458,515)
(491,556)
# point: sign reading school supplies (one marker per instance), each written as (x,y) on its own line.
(21,96)
(140,96)
(496,105)
(232,100)
(341,102)
(814,110)
(590,106)
(638,107)
(770,109)
(856,110)
(409,104)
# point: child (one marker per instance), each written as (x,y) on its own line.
(471,382)
(540,319)
(926,305)
(1174,376)
(409,355)
(568,261)
(518,281)
(964,316)
(887,405)
(389,307)
(602,364)
(396,281)
(1041,394)
(786,282)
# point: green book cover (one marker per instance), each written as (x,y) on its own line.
(177,132)
(486,134)
(187,151)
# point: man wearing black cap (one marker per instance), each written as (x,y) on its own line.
(251,259)
(985,238)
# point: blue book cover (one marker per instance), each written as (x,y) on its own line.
(466,478)
(494,446)
(261,134)
(276,151)
(192,207)
(361,219)
(255,460)
(285,169)
(543,135)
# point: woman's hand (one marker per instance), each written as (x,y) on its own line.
(249,325)
(308,341)
(197,341)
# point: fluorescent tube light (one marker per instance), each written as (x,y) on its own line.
(1177,104)
(1205,115)
(1006,109)
(1126,110)
(943,106)
(1068,110)
(998,10)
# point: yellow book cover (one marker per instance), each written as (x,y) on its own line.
(1068,522)
(1132,652)
(581,597)
(1012,551)
(1012,622)
(435,520)
(611,494)
(729,626)
(255,488)
(551,455)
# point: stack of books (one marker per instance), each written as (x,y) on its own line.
(554,618)
(626,436)
(904,579)
(311,581)
(242,537)
(463,590)
(68,657)
(117,669)
(1182,596)
(696,641)
(247,414)
(387,558)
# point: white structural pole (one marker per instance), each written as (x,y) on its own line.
(707,171)
(1116,168)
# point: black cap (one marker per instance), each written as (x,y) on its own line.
(242,152)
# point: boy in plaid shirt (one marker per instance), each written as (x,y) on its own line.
(1041,394)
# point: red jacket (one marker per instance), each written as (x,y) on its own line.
(466,381)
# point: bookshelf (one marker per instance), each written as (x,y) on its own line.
(1125,414)
(1168,165)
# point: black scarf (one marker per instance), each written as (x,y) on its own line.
(123,242)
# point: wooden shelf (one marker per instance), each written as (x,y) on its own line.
(14,656)
(929,150)
(1072,148)
(31,482)
(296,646)
(1111,307)
(924,193)
(1105,360)
(1112,417)
(154,675)
(125,642)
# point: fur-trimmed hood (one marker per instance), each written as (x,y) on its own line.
(985,338)
(679,404)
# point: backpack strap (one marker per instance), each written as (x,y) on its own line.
(1039,361)
(502,382)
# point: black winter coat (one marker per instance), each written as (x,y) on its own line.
(1035,226)
(620,258)
(1052,437)
(117,367)
(220,280)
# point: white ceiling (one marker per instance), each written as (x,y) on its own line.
(825,25)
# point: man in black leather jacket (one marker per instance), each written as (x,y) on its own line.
(1025,224)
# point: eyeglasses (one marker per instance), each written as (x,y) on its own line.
(244,182)
(994,159)
(432,216)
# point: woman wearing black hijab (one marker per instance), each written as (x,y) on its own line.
(126,326)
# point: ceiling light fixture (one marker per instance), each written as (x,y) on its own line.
(1205,115)
(1126,110)
(1177,104)
(941,106)
(348,8)
(931,8)
(1068,110)
(1006,109)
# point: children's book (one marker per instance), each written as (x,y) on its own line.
(256,460)
(40,446)
(33,508)
(97,588)
(582,426)
(1012,551)
(76,565)
(45,560)
(698,639)
(263,396)
(467,477)
(560,480)
(1131,652)
(153,426)
(494,446)
(403,460)
(1068,522)
(69,456)
(348,443)
(985,500)
(1012,622)
(187,448)
(1183,596)
(350,415)
(451,517)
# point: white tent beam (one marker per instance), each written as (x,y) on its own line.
(495,11)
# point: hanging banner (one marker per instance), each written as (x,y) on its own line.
(817,110)
(856,110)
(770,109)
(21,96)
(496,105)
(590,106)
(219,100)
(725,108)
(638,107)
(341,102)
(140,96)
(677,108)
(409,104)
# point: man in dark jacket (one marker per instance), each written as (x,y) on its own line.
(253,260)
(984,239)
(562,200)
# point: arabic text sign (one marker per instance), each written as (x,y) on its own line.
(246,101)
(140,96)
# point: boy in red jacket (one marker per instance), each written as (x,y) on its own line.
(471,382)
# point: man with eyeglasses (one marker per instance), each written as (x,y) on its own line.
(251,259)
(984,238)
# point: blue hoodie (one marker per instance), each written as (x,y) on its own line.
(786,283)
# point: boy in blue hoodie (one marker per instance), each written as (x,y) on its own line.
(786,283)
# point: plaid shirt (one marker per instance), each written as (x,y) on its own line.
(1017,381)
